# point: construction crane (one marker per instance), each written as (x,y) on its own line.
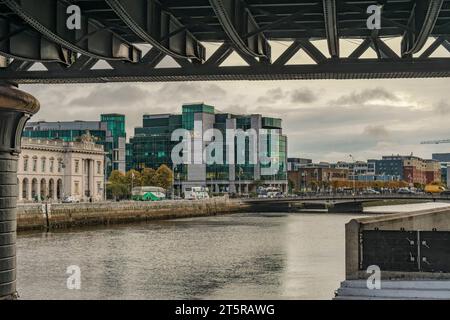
(436,141)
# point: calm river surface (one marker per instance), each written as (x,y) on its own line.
(243,256)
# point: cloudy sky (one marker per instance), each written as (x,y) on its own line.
(324,120)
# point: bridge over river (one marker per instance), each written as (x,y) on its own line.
(334,203)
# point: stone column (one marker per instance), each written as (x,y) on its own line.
(91,179)
(20,190)
(16,107)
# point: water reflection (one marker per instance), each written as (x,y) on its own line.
(245,256)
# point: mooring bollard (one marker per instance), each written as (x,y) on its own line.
(16,107)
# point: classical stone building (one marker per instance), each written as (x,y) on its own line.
(54,169)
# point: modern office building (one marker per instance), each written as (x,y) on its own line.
(151,146)
(358,170)
(408,168)
(54,169)
(109,132)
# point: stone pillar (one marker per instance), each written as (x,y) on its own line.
(16,107)
(91,179)
(20,190)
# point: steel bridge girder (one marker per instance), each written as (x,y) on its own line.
(93,39)
(237,22)
(26,44)
(422,21)
(330,17)
(162,30)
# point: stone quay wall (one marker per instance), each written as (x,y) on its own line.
(60,216)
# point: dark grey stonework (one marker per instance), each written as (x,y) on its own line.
(16,107)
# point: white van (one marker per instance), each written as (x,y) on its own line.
(196,193)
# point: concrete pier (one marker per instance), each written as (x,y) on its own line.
(16,107)
(410,250)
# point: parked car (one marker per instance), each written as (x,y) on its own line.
(70,199)
(371,191)
(405,191)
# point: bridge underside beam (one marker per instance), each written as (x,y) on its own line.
(422,22)
(23,43)
(92,38)
(329,8)
(239,24)
(162,30)
(340,69)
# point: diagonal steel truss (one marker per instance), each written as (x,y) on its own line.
(112,31)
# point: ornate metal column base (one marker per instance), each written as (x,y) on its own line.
(16,107)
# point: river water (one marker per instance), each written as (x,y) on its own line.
(241,256)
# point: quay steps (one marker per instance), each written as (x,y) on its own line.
(394,290)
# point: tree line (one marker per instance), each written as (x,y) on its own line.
(121,184)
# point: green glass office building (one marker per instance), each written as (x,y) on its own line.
(151,146)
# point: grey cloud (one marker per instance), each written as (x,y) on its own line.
(442,107)
(182,91)
(236,109)
(303,95)
(106,96)
(272,96)
(296,96)
(348,117)
(366,96)
(377,131)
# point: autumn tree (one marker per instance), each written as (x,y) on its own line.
(148,177)
(133,178)
(117,185)
(164,177)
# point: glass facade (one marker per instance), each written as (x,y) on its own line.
(109,132)
(65,135)
(190,109)
(151,145)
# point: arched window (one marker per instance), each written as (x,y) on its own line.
(51,189)
(25,189)
(59,189)
(44,191)
(34,188)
